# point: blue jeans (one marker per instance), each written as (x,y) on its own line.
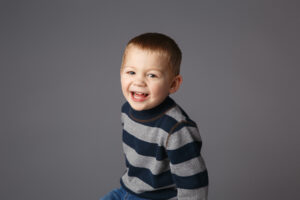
(120,194)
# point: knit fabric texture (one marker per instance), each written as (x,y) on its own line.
(162,154)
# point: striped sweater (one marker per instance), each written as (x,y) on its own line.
(162,153)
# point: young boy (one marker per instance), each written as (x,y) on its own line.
(161,143)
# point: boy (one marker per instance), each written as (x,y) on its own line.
(161,143)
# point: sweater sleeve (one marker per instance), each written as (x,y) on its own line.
(187,166)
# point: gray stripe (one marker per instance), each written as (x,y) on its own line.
(195,194)
(145,133)
(156,167)
(182,137)
(138,186)
(189,168)
(176,114)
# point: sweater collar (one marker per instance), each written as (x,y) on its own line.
(153,113)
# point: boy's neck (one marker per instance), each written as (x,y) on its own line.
(153,113)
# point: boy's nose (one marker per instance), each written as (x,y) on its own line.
(139,81)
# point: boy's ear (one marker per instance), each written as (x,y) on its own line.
(175,84)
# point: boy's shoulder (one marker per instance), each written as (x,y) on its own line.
(178,114)
(170,120)
(179,118)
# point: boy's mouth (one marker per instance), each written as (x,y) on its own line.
(139,96)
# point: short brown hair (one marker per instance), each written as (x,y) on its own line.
(160,43)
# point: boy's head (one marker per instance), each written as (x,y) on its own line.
(161,44)
(150,70)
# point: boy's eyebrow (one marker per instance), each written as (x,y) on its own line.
(158,70)
(126,66)
(150,69)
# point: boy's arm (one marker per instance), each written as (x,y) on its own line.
(187,166)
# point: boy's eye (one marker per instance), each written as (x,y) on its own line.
(152,75)
(131,72)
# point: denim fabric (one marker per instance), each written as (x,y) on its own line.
(120,194)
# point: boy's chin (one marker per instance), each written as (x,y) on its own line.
(139,106)
(146,105)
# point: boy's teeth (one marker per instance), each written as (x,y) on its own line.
(139,94)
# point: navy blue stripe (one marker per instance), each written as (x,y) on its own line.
(185,153)
(165,122)
(144,148)
(153,112)
(156,181)
(192,182)
(125,108)
(184,124)
(155,195)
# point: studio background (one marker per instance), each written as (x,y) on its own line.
(61,98)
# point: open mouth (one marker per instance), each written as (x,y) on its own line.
(139,96)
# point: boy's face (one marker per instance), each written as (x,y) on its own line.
(145,78)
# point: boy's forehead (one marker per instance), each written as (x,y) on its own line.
(131,56)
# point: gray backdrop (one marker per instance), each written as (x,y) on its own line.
(61,97)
